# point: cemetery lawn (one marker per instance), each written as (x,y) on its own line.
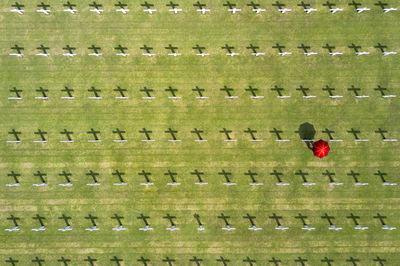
(211,115)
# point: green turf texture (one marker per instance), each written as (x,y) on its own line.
(185,30)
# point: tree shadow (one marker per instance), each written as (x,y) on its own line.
(307,133)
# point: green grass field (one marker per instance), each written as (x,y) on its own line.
(212,30)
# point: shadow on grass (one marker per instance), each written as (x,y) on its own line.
(307,133)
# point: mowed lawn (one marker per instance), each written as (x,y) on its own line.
(211,115)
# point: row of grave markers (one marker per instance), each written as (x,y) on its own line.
(197,132)
(201,227)
(122,92)
(70,51)
(227,175)
(202,8)
(198,261)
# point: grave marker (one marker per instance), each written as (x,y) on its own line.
(278,132)
(41,134)
(14,219)
(357,8)
(329,90)
(147,49)
(119,133)
(38,261)
(121,7)
(228,92)
(253,92)
(96,7)
(118,218)
(67,224)
(197,217)
(173,225)
(227,179)
(277,220)
(44,50)
(18,50)
(66,176)
(169,261)
(229,50)
(331,7)
(40,220)
(95,92)
(43,8)
(330,176)
(143,260)
(280,7)
(17,94)
(226,132)
(384,225)
(355,134)
(172,49)
(383,6)
(306,7)
(122,50)
(306,48)
(146,176)
(15,177)
(228,226)
(70,8)
(173,7)
(196,260)
(147,226)
(172,176)
(382,49)
(356,49)
(198,133)
(90,260)
(94,133)
(331,225)
(200,92)
(303,221)
(94,176)
(253,180)
(70,51)
(119,175)
(200,49)
(68,135)
(278,90)
(232,7)
(41,176)
(280,49)
(331,50)
(16,135)
(277,175)
(355,220)
(172,91)
(96,50)
(251,220)
(355,177)
(117,260)
(201,7)
(327,261)
(148,7)
(303,176)
(256,7)
(381,90)
(198,174)
(64,261)
(43,92)
(93,221)
(353,261)
(17,8)
(69,93)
